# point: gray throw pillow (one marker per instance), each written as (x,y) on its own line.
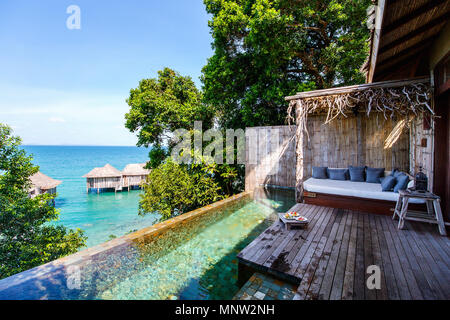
(357,173)
(337,174)
(373,175)
(388,183)
(402,182)
(319,172)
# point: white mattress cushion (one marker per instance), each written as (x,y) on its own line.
(352,189)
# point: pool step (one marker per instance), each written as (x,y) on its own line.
(264,287)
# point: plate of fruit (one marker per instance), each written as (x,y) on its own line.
(292,215)
(301,219)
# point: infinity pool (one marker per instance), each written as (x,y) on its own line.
(195,259)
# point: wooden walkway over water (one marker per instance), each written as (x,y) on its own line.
(329,259)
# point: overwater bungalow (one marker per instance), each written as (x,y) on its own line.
(43,184)
(106,177)
(134,174)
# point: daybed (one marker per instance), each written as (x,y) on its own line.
(347,194)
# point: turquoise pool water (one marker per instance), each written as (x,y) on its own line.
(197,261)
(101,216)
(193,259)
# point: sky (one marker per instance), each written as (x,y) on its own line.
(61,86)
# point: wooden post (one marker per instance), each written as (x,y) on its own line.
(300,110)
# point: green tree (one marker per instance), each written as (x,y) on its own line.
(27,238)
(172,189)
(157,108)
(265,50)
(160,106)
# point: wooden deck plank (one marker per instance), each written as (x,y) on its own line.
(308,235)
(359,285)
(396,265)
(291,235)
(381,294)
(308,275)
(325,288)
(414,289)
(435,270)
(309,263)
(370,294)
(329,259)
(438,252)
(303,257)
(425,266)
(391,282)
(338,281)
(441,241)
(314,288)
(349,275)
(418,273)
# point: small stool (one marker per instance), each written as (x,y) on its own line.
(433,214)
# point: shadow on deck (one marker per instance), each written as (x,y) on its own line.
(329,259)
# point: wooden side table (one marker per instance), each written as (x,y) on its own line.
(289,223)
(433,214)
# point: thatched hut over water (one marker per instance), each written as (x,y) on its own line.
(106,177)
(43,184)
(134,174)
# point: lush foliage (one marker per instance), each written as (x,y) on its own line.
(173,189)
(27,239)
(157,108)
(265,50)
(160,106)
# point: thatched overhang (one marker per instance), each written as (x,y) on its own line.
(401,34)
(44,182)
(108,171)
(135,169)
(398,98)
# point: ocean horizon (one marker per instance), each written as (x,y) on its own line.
(102,216)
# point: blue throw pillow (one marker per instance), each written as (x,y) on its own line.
(356,173)
(373,175)
(402,182)
(337,174)
(319,172)
(397,173)
(388,183)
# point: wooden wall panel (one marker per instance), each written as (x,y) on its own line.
(355,140)
(274,150)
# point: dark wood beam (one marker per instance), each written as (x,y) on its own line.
(433,23)
(391,67)
(406,51)
(411,16)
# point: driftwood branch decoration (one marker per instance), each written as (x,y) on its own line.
(402,102)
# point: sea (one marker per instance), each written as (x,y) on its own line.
(102,216)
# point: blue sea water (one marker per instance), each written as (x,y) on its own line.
(99,215)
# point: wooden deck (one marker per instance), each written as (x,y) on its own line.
(329,259)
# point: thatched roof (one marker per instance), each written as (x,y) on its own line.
(391,98)
(135,169)
(104,172)
(44,182)
(402,34)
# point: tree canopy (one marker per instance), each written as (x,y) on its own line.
(27,237)
(162,105)
(265,50)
